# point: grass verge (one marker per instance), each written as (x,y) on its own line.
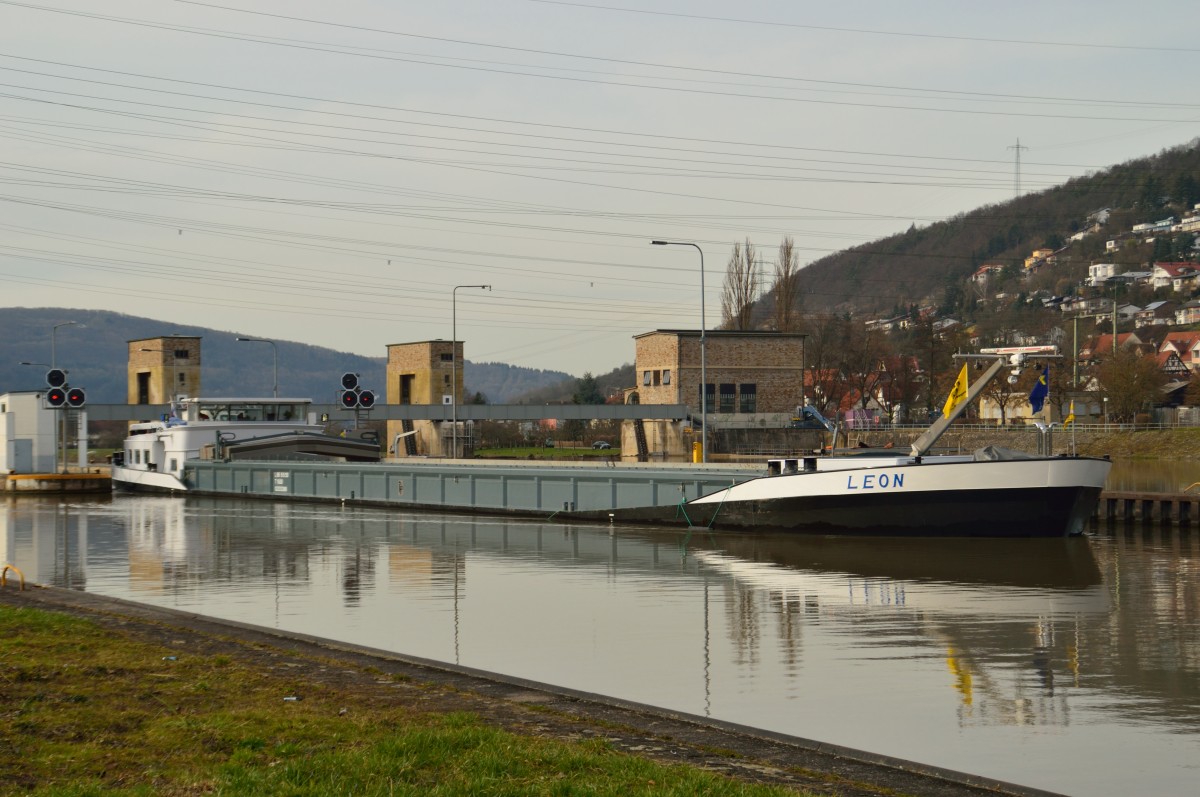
(88,713)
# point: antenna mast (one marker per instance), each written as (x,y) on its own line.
(1017,175)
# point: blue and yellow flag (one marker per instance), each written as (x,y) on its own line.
(958,393)
(1037,396)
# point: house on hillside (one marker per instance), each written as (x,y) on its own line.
(1099,216)
(1080,305)
(1131,278)
(1153,227)
(985,274)
(1170,364)
(1177,276)
(1038,258)
(1156,313)
(1100,273)
(1188,314)
(1184,344)
(1102,346)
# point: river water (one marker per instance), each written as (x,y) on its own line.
(1066,665)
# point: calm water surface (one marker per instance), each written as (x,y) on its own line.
(1067,665)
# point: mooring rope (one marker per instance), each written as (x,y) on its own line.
(713,519)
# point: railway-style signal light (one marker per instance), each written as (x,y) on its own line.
(349,381)
(56,377)
(349,399)
(76,397)
(56,397)
(366,399)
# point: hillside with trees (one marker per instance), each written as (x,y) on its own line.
(930,265)
(884,319)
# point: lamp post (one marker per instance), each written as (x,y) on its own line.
(53,336)
(1106,413)
(274,361)
(703,369)
(454,365)
(62,418)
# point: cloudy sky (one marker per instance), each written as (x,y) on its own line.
(330,172)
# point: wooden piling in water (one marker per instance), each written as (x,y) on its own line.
(1138,505)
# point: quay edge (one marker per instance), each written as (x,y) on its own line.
(55,483)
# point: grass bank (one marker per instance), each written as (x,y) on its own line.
(88,712)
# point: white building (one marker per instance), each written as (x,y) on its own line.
(27,436)
(1099,273)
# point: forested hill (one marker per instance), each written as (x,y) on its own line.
(503,384)
(918,267)
(95,356)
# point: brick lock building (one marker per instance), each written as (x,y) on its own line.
(425,373)
(162,369)
(753,379)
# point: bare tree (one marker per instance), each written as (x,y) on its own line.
(741,283)
(787,282)
(862,351)
(825,378)
(1132,382)
(1006,397)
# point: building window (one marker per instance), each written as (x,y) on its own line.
(748,398)
(447,357)
(181,354)
(666,376)
(728,394)
(645,379)
(657,378)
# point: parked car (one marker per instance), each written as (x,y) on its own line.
(600,445)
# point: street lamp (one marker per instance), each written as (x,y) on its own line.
(53,335)
(703,369)
(274,359)
(1106,413)
(454,365)
(63,418)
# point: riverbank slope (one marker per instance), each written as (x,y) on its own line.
(341,681)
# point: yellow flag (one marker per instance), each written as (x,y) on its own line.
(958,394)
(1070,415)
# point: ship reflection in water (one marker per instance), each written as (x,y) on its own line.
(1064,664)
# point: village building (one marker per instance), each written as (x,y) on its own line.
(1156,313)
(1177,276)
(1100,273)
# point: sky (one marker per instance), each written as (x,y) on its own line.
(347,175)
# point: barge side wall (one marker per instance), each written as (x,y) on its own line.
(470,488)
